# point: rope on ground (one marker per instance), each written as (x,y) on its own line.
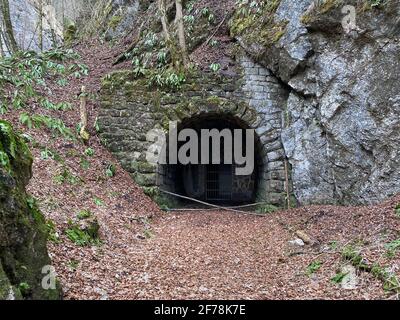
(210,205)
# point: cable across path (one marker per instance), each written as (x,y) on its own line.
(214,206)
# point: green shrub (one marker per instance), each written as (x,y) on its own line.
(98,202)
(25,289)
(26,71)
(89,152)
(167,79)
(67,177)
(85,164)
(79,237)
(52,232)
(83,236)
(55,125)
(266,208)
(392,248)
(215,67)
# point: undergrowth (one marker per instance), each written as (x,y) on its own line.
(26,75)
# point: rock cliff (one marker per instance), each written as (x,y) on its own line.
(23,232)
(341,124)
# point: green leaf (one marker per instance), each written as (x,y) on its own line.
(98,202)
(313,267)
(111,170)
(26,120)
(338,278)
(85,164)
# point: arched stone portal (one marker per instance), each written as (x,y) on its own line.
(251,99)
(217,183)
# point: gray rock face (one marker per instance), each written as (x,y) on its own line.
(342,119)
(124,13)
(25,19)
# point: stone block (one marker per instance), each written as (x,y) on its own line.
(276,165)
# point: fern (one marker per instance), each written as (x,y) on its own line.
(53,124)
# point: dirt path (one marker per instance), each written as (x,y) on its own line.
(209,255)
(213,255)
(219,255)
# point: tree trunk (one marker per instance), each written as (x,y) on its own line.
(41,25)
(163,17)
(181,32)
(8,28)
(84,116)
(2,54)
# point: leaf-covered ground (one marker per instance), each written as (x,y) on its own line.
(220,255)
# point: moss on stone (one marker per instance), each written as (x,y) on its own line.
(117,78)
(327,6)
(5,285)
(23,233)
(319,9)
(145,179)
(114,22)
(152,192)
(70,32)
(214,101)
(16,163)
(144,167)
(260,28)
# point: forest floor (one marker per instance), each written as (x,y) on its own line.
(150,254)
(222,255)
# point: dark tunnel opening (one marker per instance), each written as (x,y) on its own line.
(217,183)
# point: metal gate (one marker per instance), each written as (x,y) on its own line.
(219,182)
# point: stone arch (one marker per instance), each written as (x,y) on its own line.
(175,178)
(130,110)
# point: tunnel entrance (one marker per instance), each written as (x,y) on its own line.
(212,182)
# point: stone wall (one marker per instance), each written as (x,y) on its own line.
(130,109)
(263,93)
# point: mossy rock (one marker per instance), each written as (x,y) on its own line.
(260,28)
(70,32)
(114,22)
(23,232)
(329,12)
